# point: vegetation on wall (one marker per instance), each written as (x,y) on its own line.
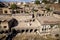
(45,1)
(50,1)
(37,2)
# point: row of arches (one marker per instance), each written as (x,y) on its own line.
(21,31)
(27,30)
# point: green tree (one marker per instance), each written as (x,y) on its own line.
(50,1)
(13,6)
(37,2)
(44,1)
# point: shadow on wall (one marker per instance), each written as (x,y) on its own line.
(12,23)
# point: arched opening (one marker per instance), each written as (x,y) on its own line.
(33,16)
(6,31)
(42,14)
(5,11)
(27,30)
(5,26)
(33,20)
(35,30)
(13,12)
(31,30)
(42,29)
(45,29)
(57,39)
(22,31)
(39,14)
(1,32)
(57,35)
